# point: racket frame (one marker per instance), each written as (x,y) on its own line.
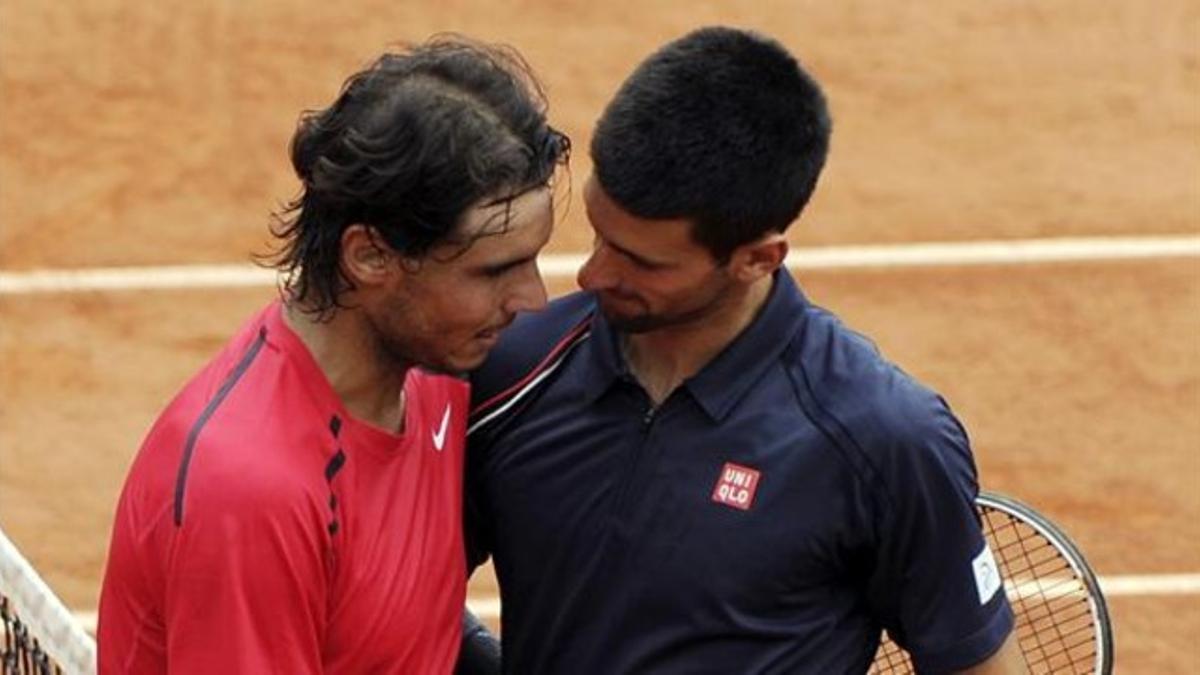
(1052,533)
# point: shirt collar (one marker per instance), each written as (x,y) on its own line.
(724,380)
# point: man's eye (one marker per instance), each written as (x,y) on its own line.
(641,263)
(501,270)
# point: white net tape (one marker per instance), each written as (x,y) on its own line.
(44,614)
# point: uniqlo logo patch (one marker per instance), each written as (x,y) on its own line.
(736,486)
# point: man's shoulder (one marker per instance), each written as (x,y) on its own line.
(231,433)
(530,343)
(843,375)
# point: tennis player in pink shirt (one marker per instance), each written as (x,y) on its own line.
(297,507)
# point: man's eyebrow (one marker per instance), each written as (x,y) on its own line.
(508,263)
(641,260)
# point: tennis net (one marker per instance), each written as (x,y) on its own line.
(39,634)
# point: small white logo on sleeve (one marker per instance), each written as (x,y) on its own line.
(987,575)
(439,436)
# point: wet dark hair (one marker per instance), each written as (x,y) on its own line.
(722,127)
(412,142)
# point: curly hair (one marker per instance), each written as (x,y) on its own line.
(412,142)
(722,127)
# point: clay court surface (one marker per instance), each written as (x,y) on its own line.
(134,135)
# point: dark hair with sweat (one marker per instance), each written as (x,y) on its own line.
(412,142)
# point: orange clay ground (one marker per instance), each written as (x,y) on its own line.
(133,134)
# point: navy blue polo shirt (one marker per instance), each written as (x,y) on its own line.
(782,506)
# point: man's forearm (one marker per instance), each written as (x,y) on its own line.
(1008,660)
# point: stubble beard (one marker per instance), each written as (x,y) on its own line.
(648,322)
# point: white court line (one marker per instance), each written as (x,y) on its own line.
(1113,586)
(1150,584)
(1011,252)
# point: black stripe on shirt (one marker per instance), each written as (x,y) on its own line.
(190,445)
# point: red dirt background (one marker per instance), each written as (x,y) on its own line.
(137,134)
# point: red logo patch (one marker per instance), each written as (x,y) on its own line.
(736,486)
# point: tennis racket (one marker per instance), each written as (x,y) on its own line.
(1062,621)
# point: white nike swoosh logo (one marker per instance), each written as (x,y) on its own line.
(439,436)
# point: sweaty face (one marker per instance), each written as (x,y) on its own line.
(648,274)
(448,308)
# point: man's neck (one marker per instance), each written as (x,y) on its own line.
(370,385)
(662,359)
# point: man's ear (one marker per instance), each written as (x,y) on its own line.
(754,260)
(366,260)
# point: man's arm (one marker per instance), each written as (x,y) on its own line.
(930,583)
(479,653)
(246,587)
(1008,660)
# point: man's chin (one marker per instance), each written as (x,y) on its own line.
(633,324)
(454,367)
(461,363)
(442,369)
(624,321)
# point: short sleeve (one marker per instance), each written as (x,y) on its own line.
(931,585)
(246,588)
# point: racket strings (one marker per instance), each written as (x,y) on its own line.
(1054,624)
(890,660)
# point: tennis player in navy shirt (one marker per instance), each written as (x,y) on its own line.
(688,467)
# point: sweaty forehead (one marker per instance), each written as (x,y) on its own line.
(491,234)
(490,217)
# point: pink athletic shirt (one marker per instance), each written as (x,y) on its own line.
(264,530)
